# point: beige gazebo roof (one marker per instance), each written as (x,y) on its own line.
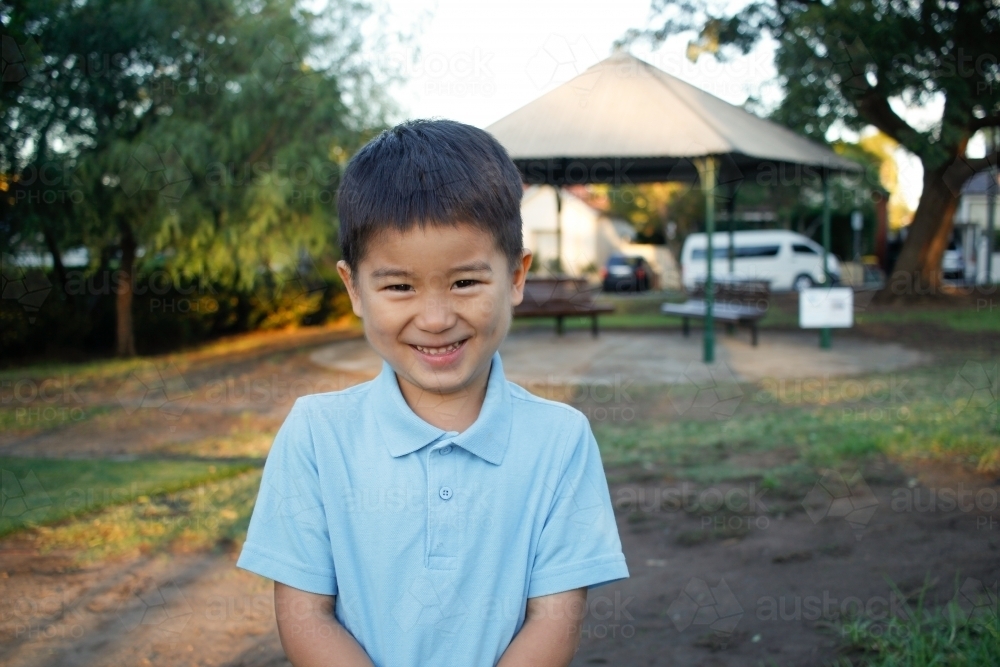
(624,108)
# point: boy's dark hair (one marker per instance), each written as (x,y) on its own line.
(429,171)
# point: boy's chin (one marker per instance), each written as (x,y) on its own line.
(446,380)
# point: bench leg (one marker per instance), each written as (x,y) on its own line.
(593,325)
(753,333)
(686,326)
(559,325)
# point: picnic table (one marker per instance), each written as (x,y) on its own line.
(736,302)
(560,297)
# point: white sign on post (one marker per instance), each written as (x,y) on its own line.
(826,307)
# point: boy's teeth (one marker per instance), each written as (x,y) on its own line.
(438,350)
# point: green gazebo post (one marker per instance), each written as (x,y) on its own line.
(706,173)
(824,333)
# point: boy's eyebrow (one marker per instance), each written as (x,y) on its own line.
(388,272)
(479,265)
(391,273)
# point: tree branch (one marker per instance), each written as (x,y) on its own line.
(980,163)
(875,108)
(981,123)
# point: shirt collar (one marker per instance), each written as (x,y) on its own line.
(404,432)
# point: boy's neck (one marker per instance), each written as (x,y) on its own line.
(451,412)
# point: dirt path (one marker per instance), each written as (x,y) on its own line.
(158,610)
(163,409)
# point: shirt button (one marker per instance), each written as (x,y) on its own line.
(445,492)
(445,450)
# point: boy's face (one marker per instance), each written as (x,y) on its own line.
(436,303)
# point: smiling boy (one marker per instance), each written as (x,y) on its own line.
(438,514)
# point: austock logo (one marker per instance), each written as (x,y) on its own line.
(976,387)
(23,498)
(430,605)
(712,388)
(978,603)
(149,169)
(848,498)
(161,608)
(560,60)
(17,60)
(281,66)
(163,389)
(701,604)
(28,288)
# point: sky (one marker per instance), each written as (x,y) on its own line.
(476,61)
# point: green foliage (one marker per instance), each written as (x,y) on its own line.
(950,636)
(45,491)
(202,140)
(169,313)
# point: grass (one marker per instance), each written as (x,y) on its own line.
(954,635)
(24,418)
(984,319)
(214,515)
(964,315)
(932,415)
(44,491)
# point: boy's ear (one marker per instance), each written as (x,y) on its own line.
(520,275)
(345,275)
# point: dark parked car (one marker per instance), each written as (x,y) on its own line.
(626,274)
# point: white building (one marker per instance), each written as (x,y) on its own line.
(589,237)
(970,225)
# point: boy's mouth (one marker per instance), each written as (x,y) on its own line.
(439,351)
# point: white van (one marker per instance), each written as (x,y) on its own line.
(790,261)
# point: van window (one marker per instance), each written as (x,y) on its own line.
(741,252)
(717,253)
(758,251)
(803,249)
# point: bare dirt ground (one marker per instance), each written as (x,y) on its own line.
(707,588)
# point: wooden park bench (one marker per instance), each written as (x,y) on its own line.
(735,302)
(560,297)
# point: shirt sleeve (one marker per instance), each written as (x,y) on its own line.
(579,544)
(288,538)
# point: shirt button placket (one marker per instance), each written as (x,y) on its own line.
(440,476)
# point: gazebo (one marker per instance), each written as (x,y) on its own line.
(623,121)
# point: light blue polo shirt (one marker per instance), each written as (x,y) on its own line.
(433,540)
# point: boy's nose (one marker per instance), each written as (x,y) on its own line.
(436,315)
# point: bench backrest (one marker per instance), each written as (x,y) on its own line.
(747,293)
(540,291)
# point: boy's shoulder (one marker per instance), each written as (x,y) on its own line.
(323,402)
(554,409)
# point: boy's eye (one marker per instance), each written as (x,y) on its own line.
(467,282)
(398,288)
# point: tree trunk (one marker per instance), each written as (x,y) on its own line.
(124,333)
(57,264)
(918,269)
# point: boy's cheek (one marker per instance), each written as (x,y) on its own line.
(490,305)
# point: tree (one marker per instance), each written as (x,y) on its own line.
(851,61)
(202,135)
